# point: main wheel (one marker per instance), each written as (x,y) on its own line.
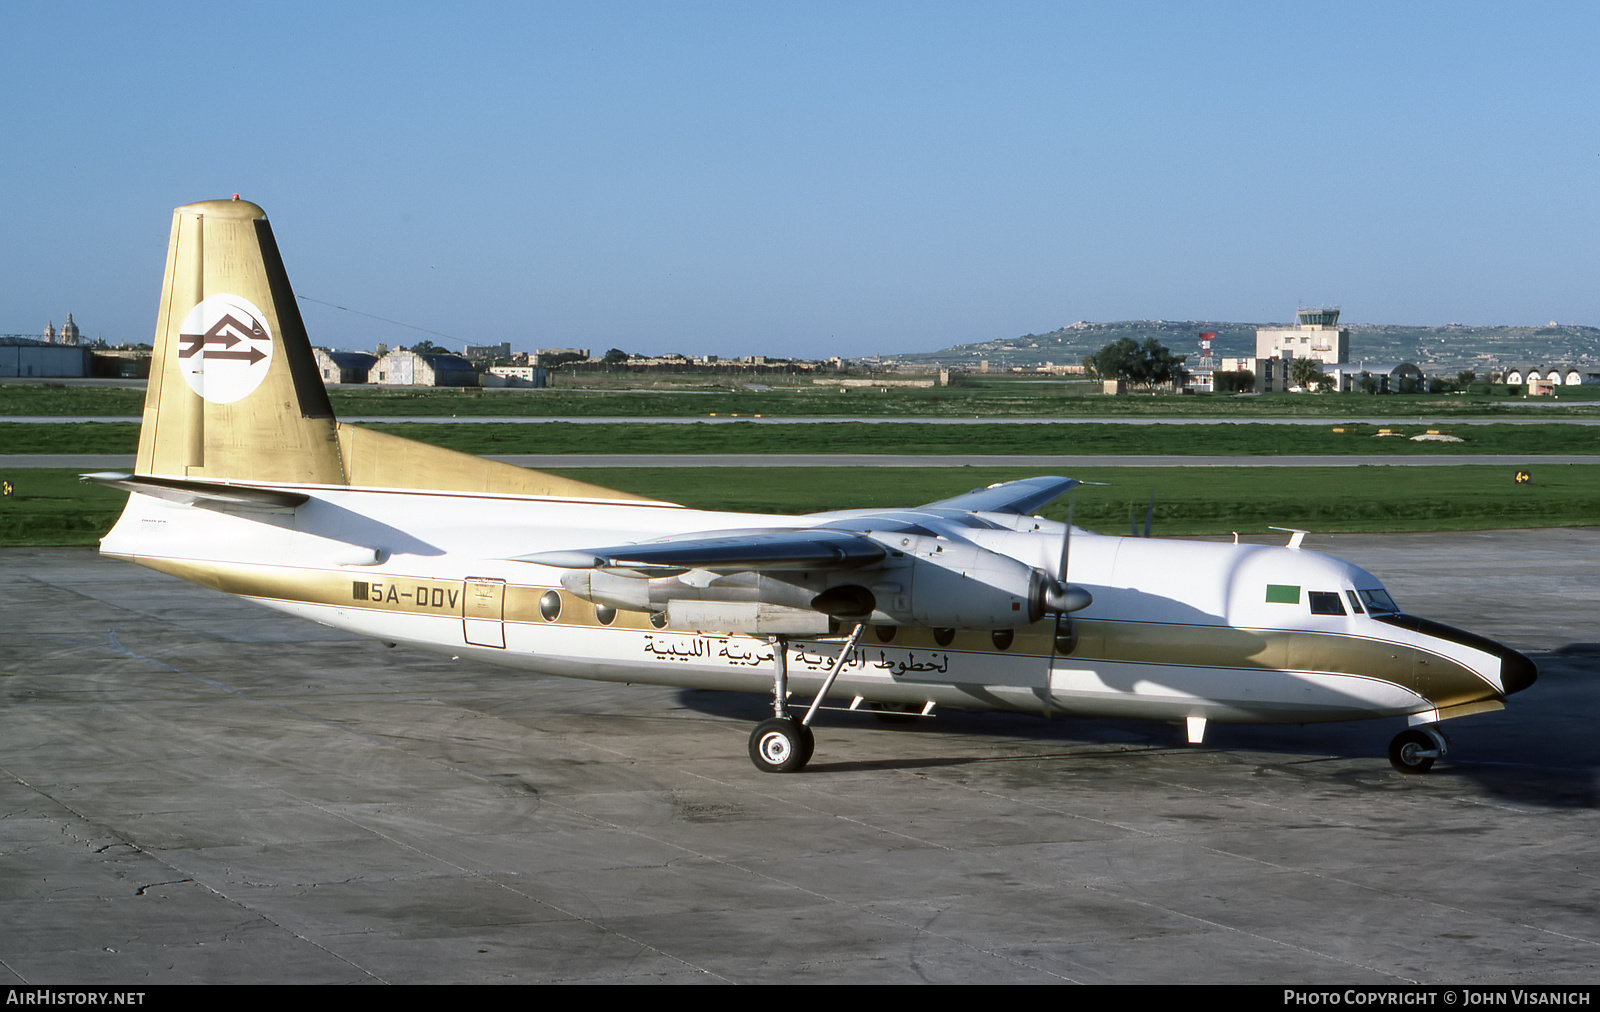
(1413,751)
(781,745)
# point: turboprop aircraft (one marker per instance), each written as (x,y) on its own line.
(246,483)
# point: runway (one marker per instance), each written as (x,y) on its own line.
(193,789)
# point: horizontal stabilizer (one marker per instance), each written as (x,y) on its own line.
(191,492)
(804,549)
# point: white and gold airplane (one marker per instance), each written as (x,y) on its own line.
(246,483)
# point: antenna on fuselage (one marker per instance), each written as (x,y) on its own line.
(1296,535)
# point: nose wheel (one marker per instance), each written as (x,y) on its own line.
(1414,751)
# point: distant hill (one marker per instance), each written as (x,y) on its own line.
(1437,350)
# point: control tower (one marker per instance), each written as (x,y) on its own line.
(1316,334)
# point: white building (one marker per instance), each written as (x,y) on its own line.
(1316,335)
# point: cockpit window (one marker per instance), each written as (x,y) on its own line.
(1355,602)
(1325,602)
(1378,602)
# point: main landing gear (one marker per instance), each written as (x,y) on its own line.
(782,744)
(1414,750)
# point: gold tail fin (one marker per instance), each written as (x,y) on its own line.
(234,389)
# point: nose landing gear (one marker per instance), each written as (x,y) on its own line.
(1414,750)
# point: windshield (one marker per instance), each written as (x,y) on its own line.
(1378,601)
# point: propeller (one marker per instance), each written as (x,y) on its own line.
(1062,597)
(1133,521)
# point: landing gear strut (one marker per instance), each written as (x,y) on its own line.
(782,744)
(1414,750)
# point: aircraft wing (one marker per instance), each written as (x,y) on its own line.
(732,552)
(1020,497)
(839,544)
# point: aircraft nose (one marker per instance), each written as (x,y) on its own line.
(1517,672)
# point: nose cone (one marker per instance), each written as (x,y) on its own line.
(1517,672)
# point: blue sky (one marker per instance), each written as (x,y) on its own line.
(810,179)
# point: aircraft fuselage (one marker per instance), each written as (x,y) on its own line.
(1177,629)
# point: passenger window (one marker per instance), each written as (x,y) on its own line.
(1326,602)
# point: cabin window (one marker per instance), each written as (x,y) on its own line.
(658,619)
(885,633)
(550,606)
(1278,593)
(605,614)
(944,637)
(1003,638)
(1378,602)
(1325,602)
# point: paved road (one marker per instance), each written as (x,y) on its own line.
(193,789)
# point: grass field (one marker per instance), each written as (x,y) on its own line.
(992,398)
(51,507)
(891,437)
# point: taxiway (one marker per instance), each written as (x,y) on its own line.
(193,789)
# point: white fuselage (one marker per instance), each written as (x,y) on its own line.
(1176,629)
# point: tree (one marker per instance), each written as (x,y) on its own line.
(427,348)
(1142,365)
(1241,381)
(616,356)
(1306,373)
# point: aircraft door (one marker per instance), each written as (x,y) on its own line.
(483,612)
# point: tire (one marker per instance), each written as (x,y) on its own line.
(781,745)
(1405,751)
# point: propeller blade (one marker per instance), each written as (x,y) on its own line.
(1149,512)
(1060,596)
(1066,538)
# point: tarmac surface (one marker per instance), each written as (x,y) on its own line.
(193,789)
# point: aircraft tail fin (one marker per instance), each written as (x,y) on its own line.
(235,393)
(234,390)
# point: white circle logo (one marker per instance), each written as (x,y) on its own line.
(224,348)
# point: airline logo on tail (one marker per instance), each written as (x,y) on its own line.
(224,348)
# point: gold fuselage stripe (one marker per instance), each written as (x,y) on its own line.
(1441,680)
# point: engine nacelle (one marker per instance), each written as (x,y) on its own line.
(925,581)
(952,584)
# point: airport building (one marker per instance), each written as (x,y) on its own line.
(1316,334)
(515,376)
(422,369)
(344,366)
(1550,374)
(23,356)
